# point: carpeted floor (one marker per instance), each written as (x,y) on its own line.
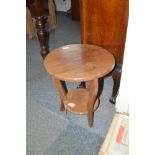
(49,131)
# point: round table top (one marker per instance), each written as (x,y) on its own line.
(79,62)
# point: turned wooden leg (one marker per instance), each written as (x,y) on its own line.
(37,10)
(93,90)
(40,25)
(61,91)
(116,78)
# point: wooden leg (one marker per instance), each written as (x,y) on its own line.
(93,90)
(61,91)
(37,10)
(82,85)
(116,78)
(40,25)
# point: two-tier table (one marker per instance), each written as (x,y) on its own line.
(79,63)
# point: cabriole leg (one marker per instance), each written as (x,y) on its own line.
(116,78)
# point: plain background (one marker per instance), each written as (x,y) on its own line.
(140,46)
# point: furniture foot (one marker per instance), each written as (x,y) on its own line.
(116,78)
(40,25)
(90,116)
(62,107)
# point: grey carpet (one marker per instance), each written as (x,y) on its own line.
(49,131)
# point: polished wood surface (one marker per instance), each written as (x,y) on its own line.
(104,23)
(79,62)
(75,63)
(76,101)
(37,10)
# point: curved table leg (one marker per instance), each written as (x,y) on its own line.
(93,90)
(116,78)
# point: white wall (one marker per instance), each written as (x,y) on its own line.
(62,5)
(122,102)
(140,61)
(139,58)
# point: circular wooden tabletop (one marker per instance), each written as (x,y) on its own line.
(79,62)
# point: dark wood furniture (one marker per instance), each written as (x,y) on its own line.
(38,11)
(104,23)
(75,9)
(78,63)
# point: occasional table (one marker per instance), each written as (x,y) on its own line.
(79,63)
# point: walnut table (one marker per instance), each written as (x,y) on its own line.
(79,63)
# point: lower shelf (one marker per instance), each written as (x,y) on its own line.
(76,101)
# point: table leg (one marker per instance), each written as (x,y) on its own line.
(82,85)
(93,90)
(61,91)
(116,78)
(40,25)
(38,11)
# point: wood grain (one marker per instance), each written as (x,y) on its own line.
(79,62)
(104,23)
(76,101)
(76,63)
